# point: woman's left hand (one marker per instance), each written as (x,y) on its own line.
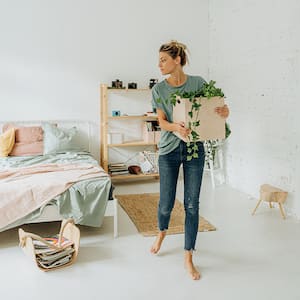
(222,111)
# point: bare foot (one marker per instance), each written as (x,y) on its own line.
(193,272)
(158,241)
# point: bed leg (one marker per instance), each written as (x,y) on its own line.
(115,217)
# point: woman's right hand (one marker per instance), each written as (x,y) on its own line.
(182,130)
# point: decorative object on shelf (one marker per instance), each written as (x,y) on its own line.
(134,169)
(117,84)
(151,131)
(116,113)
(149,161)
(132,85)
(152,83)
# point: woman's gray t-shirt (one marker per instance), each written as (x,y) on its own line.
(161,94)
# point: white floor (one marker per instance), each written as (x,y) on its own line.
(248,257)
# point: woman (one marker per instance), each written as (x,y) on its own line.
(173,151)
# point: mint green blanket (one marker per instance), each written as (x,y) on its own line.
(85,201)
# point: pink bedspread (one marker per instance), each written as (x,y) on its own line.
(23,190)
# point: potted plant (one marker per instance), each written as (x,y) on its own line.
(195,101)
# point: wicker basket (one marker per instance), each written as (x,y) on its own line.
(68,231)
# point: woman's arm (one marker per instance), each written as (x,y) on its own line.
(166,125)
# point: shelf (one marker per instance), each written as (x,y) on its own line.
(150,118)
(126,90)
(132,144)
(135,176)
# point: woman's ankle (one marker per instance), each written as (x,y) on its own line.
(188,255)
(162,233)
(158,241)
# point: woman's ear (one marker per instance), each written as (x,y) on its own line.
(177,60)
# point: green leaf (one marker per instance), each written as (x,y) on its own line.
(196,105)
(194,134)
(227,130)
(189,157)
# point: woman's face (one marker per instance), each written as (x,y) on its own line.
(167,64)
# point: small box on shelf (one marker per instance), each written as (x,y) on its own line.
(151,134)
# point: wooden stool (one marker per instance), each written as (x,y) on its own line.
(271,194)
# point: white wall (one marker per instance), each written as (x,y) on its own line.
(254,57)
(55,53)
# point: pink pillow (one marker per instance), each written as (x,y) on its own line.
(26,134)
(28,140)
(26,149)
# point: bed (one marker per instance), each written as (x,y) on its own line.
(60,180)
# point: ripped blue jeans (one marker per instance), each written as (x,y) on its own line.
(169,165)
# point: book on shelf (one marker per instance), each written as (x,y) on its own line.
(116,165)
(118,169)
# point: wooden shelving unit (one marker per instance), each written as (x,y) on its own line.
(106,93)
(135,177)
(132,144)
(127,90)
(146,118)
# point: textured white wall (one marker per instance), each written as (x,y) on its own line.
(55,53)
(254,57)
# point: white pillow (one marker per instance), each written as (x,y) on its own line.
(58,140)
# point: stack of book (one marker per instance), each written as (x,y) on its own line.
(118,169)
(48,257)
